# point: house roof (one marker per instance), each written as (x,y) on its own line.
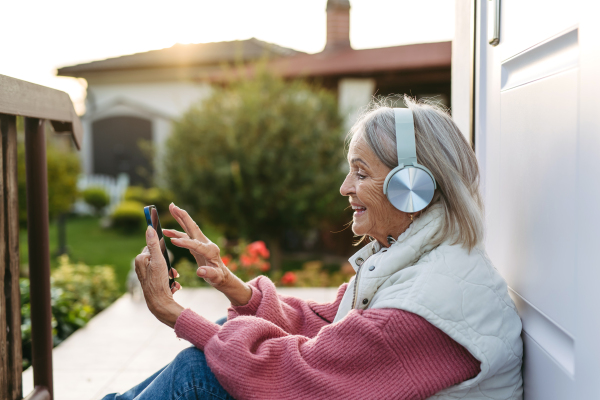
(204,59)
(422,56)
(185,55)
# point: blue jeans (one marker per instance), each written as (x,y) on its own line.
(187,377)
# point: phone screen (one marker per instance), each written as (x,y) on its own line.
(152,220)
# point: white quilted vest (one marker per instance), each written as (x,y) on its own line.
(460,293)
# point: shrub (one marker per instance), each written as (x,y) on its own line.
(129,216)
(136,193)
(159,197)
(96,197)
(95,286)
(78,292)
(259,157)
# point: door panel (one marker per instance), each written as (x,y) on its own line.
(526,23)
(561,53)
(536,175)
(534,236)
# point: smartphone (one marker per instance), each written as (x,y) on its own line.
(152,220)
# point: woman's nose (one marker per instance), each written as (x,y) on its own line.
(347,187)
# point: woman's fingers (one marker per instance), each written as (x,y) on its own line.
(187,223)
(176,287)
(172,233)
(210,251)
(173,273)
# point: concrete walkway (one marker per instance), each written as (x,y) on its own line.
(125,344)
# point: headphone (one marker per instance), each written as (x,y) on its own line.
(409,186)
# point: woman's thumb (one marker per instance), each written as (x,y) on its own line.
(206,272)
(152,243)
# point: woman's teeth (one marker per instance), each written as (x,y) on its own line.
(359,210)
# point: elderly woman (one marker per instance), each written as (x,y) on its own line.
(425,316)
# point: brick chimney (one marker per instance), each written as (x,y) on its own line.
(338,25)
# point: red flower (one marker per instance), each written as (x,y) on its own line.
(289,278)
(226,260)
(264,266)
(246,260)
(258,248)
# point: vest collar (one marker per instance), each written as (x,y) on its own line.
(361,256)
(431,219)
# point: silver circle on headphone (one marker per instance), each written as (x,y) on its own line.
(410,189)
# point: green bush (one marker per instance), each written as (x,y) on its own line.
(129,216)
(96,197)
(259,157)
(136,193)
(94,286)
(78,292)
(159,197)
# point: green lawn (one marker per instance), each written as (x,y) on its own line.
(93,245)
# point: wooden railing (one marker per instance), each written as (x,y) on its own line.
(37,104)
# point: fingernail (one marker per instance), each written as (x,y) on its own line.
(177,275)
(202,271)
(150,231)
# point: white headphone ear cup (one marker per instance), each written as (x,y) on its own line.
(410,189)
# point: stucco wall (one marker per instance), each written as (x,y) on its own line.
(160,103)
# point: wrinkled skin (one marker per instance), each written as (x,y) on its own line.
(364,187)
(151,269)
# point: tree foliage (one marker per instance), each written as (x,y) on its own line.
(259,156)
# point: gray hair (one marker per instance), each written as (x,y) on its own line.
(444,151)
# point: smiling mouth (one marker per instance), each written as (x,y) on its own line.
(358,211)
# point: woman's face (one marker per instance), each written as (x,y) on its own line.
(373,215)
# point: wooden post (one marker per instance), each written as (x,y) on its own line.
(9,256)
(39,252)
(4,360)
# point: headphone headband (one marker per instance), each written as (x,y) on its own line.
(405,136)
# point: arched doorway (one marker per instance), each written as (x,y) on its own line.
(116,147)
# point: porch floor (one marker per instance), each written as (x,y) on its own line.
(125,344)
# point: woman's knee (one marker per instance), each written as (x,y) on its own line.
(190,356)
(192,377)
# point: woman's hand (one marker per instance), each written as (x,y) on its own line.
(152,273)
(208,258)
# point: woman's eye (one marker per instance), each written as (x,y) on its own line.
(360,176)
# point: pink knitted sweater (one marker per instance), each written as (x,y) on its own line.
(280,347)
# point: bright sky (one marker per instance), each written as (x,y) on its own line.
(38,36)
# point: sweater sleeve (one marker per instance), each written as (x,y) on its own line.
(383,353)
(293,315)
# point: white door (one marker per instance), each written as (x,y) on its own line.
(537,137)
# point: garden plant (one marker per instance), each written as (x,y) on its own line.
(258,157)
